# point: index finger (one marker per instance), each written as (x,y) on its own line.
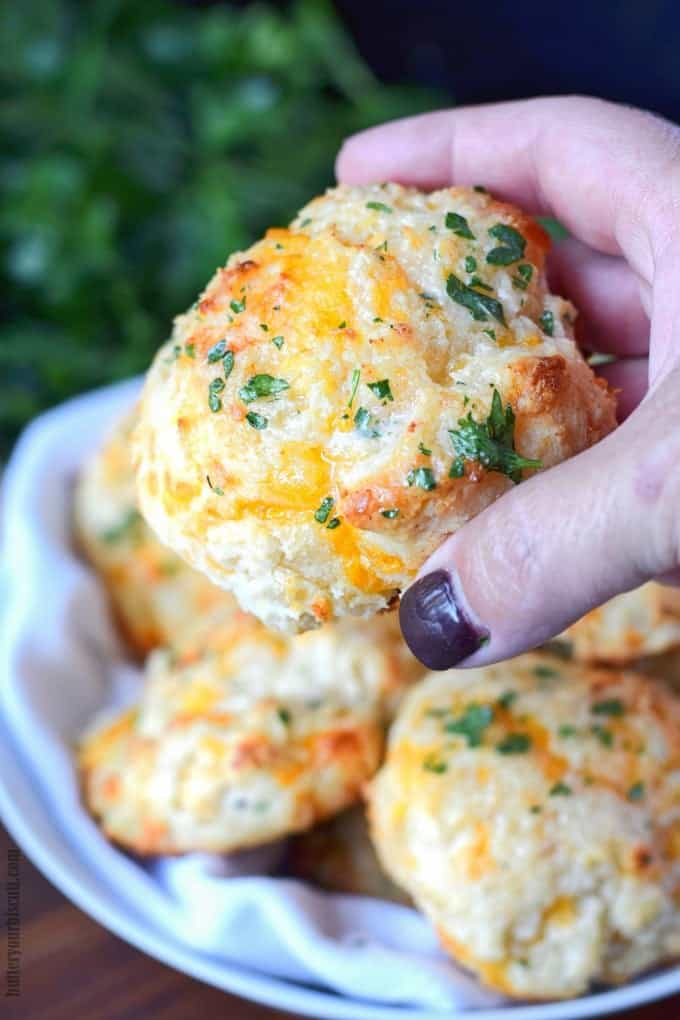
(604,170)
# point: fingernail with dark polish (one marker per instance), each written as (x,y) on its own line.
(434,625)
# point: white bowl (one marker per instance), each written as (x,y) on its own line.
(32,817)
(30,823)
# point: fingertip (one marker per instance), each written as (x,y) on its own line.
(349,163)
(376,154)
(413,151)
(435,624)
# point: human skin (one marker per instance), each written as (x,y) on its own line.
(605,521)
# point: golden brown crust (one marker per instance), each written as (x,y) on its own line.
(356,342)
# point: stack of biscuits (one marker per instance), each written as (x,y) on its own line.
(529,809)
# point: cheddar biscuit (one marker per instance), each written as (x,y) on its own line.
(351,390)
(154,595)
(531,811)
(632,626)
(244,738)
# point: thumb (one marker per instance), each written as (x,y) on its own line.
(554,547)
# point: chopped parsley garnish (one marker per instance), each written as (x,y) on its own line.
(490,332)
(605,736)
(277,341)
(284,716)
(514,743)
(306,221)
(381,389)
(190,350)
(238,306)
(507,699)
(477,281)
(379,207)
(333,524)
(511,248)
(125,527)
(365,423)
(262,385)
(560,790)
(457,469)
(228,363)
(459,225)
(390,514)
(257,421)
(480,306)
(636,792)
(217,351)
(342,325)
(424,450)
(535,809)
(524,274)
(490,442)
(356,376)
(264,326)
(174,355)
(434,764)
(547,321)
(545,672)
(321,515)
(566,731)
(471,724)
(423,477)
(214,389)
(470,264)
(610,706)
(215,488)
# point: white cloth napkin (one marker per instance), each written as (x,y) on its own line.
(61,663)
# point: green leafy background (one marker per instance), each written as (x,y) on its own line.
(142,142)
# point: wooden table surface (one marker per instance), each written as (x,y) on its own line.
(73,969)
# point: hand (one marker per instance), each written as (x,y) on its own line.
(606,520)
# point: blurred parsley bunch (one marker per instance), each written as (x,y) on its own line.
(143,142)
